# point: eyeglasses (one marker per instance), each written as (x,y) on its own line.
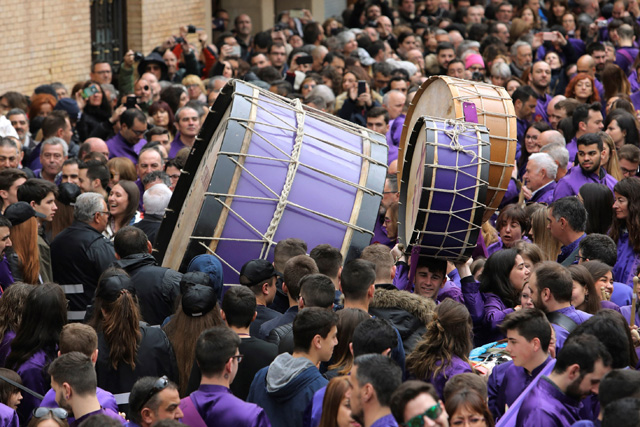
(44,411)
(308,86)
(138,132)
(418,421)
(103,72)
(631,172)
(160,384)
(238,356)
(578,258)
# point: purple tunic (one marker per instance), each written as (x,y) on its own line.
(450,290)
(457,366)
(5,346)
(627,262)
(544,194)
(218,406)
(626,313)
(393,137)
(572,147)
(635,100)
(622,294)
(494,313)
(105,398)
(8,417)
(102,411)
(119,147)
(577,316)
(506,382)
(547,406)
(379,236)
(386,421)
(521,128)
(176,145)
(6,278)
(33,376)
(570,184)
(567,255)
(541,108)
(401,279)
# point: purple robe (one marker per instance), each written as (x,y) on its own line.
(547,406)
(457,366)
(8,417)
(218,406)
(572,313)
(393,137)
(496,246)
(6,278)
(544,194)
(379,235)
(622,294)
(633,81)
(627,262)
(386,421)
(521,128)
(624,58)
(119,147)
(541,108)
(401,279)
(176,145)
(102,411)
(494,313)
(5,346)
(34,376)
(626,313)
(572,148)
(635,100)
(505,384)
(567,255)
(450,290)
(570,184)
(105,398)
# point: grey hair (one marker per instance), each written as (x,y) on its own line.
(467,45)
(385,98)
(156,199)
(113,92)
(212,80)
(181,109)
(344,38)
(500,69)
(546,162)
(155,175)
(87,204)
(517,45)
(54,140)
(558,152)
(326,93)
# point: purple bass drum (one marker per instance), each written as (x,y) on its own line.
(264,168)
(443,189)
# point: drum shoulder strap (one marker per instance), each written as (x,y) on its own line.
(562,320)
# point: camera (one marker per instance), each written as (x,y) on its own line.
(137,56)
(179,40)
(279,27)
(476,76)
(191,29)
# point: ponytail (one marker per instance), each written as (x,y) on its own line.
(121,329)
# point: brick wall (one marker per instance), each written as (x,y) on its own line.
(149,22)
(44,41)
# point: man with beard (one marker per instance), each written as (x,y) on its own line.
(567,222)
(555,399)
(525,101)
(590,152)
(551,288)
(390,195)
(373,380)
(539,79)
(73,377)
(521,56)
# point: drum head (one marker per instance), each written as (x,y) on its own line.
(444,187)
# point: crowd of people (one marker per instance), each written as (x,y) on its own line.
(94,332)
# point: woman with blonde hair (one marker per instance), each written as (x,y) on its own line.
(541,236)
(336,410)
(195,88)
(610,156)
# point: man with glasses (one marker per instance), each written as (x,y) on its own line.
(629,158)
(152,400)
(416,402)
(101,72)
(73,377)
(213,403)
(133,125)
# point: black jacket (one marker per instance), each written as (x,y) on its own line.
(156,287)
(79,255)
(409,313)
(282,336)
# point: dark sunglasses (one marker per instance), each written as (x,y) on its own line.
(160,384)
(44,411)
(418,421)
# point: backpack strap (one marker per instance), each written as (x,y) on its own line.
(562,320)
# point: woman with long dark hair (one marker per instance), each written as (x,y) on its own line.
(348,319)
(96,114)
(123,206)
(11,308)
(128,348)
(585,296)
(197,311)
(622,127)
(36,341)
(444,349)
(597,200)
(625,229)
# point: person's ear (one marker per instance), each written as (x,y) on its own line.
(146,415)
(4,194)
(255,314)
(285,289)
(223,315)
(149,247)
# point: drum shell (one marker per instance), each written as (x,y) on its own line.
(444,188)
(443,97)
(251,132)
